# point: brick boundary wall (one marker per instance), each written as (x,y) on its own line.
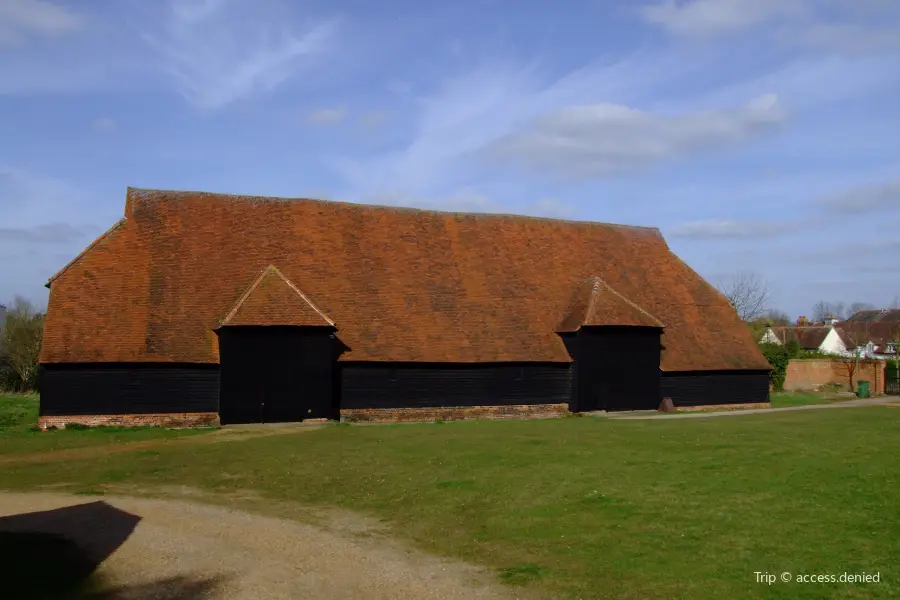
(808,374)
(153,419)
(454,413)
(709,407)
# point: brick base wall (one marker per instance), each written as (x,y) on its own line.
(454,413)
(708,407)
(157,419)
(813,373)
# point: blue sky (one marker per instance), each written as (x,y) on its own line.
(758,135)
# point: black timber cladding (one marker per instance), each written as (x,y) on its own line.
(128,388)
(698,388)
(415,385)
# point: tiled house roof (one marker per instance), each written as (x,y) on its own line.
(399,284)
(809,338)
(876,316)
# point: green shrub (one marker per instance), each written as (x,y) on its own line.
(778,357)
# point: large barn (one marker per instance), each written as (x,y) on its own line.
(199,307)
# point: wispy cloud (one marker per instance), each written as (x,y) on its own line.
(327,116)
(49,233)
(21,20)
(729,229)
(219,51)
(851,26)
(878,197)
(595,141)
(467,112)
(372,119)
(702,18)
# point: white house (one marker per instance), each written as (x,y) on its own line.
(826,339)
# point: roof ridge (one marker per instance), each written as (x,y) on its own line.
(630,303)
(249,197)
(256,283)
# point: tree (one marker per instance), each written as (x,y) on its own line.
(823,311)
(860,306)
(747,293)
(20,341)
(855,338)
(778,318)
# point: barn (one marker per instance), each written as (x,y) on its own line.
(198,308)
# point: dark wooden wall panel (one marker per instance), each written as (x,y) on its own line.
(118,389)
(571,342)
(716,387)
(618,368)
(405,385)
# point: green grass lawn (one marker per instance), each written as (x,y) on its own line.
(581,507)
(19,433)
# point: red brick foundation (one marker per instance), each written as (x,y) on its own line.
(709,407)
(454,413)
(155,419)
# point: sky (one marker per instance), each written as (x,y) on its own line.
(759,136)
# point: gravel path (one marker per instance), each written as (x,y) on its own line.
(180,550)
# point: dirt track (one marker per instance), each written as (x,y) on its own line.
(172,549)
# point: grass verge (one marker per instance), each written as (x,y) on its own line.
(581,508)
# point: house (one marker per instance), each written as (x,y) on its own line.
(196,307)
(877,331)
(811,338)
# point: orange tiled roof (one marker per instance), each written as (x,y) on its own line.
(400,284)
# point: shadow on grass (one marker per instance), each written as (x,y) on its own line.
(56,553)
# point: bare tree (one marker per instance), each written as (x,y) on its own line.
(856,338)
(747,293)
(859,306)
(20,340)
(824,311)
(820,311)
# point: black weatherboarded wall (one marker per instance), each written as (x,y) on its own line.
(412,385)
(698,388)
(128,388)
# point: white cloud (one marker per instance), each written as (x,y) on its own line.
(327,116)
(851,38)
(845,26)
(104,125)
(22,19)
(728,229)
(598,140)
(219,51)
(884,196)
(700,18)
(463,115)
